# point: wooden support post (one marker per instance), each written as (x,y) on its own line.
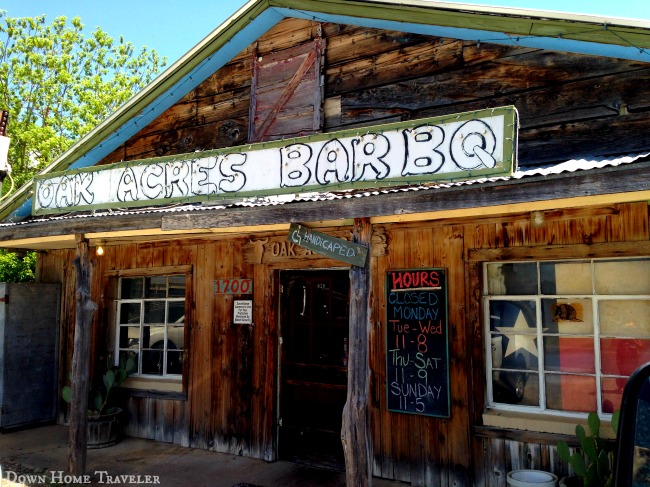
(84,311)
(355,432)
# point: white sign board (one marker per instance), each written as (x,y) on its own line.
(463,146)
(243,312)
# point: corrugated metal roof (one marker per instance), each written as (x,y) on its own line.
(573,165)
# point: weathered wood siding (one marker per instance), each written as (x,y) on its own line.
(570,106)
(231,386)
(375,76)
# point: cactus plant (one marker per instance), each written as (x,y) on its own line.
(594,464)
(99,397)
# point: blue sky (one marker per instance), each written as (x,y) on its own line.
(173,28)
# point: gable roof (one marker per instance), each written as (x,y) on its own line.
(608,37)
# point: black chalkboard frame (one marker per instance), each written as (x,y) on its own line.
(442,409)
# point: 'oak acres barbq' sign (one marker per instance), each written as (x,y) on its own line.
(451,148)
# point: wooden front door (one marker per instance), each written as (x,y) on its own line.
(313,366)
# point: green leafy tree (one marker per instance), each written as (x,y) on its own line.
(58,84)
(17,269)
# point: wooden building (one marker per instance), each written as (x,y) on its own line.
(498,302)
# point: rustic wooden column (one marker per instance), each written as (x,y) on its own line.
(355,433)
(84,311)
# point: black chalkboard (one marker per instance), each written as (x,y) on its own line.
(417,342)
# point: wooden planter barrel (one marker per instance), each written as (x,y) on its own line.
(104,430)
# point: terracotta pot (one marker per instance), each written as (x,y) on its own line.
(104,430)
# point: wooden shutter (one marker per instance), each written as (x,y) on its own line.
(287,92)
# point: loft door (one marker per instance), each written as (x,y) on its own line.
(313,366)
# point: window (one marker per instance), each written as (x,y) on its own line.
(151,323)
(565,335)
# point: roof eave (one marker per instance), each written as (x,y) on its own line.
(258,15)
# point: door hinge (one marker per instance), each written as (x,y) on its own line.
(280,422)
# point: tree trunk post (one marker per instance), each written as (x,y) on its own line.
(84,311)
(355,432)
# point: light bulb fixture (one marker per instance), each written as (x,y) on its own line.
(99,250)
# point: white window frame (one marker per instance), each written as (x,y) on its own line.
(166,325)
(538,298)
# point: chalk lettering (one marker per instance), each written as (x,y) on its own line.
(416,342)
(424,362)
(414,389)
(422,297)
(399,328)
(430,328)
(414,279)
(414,313)
(398,359)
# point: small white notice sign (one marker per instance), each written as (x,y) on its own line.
(243,312)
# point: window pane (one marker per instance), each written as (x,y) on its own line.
(619,317)
(623,356)
(520,388)
(568,316)
(154,311)
(175,362)
(175,337)
(514,340)
(512,279)
(520,358)
(571,392)
(157,307)
(565,277)
(131,288)
(153,337)
(152,362)
(175,311)
(176,287)
(612,390)
(132,354)
(569,354)
(129,337)
(130,313)
(592,312)
(155,287)
(622,277)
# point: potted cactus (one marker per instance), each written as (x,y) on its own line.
(593,465)
(104,425)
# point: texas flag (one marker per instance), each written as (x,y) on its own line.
(570,350)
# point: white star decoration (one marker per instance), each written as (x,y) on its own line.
(516,339)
